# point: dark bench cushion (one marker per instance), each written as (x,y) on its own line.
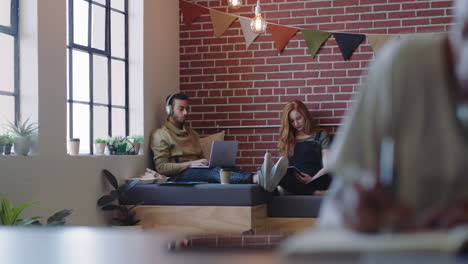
(199,195)
(294,206)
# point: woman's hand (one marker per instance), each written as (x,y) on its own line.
(303,177)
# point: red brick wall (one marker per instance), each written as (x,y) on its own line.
(234,86)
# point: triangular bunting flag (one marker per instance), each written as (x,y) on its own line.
(191,11)
(348,43)
(249,35)
(281,35)
(314,39)
(378,41)
(221,21)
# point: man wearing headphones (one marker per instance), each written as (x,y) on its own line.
(176,147)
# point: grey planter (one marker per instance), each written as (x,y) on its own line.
(7,149)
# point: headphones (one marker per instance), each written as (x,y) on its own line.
(169,110)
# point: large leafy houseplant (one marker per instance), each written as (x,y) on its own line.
(125,215)
(10,215)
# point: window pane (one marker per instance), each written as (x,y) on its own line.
(100,124)
(80,22)
(118,35)
(118,83)
(100,80)
(80,76)
(118,122)
(7,68)
(99,23)
(5,12)
(7,110)
(100,1)
(118,4)
(81,126)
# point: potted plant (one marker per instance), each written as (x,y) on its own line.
(117,145)
(9,215)
(8,140)
(136,141)
(100,146)
(22,132)
(124,215)
(2,142)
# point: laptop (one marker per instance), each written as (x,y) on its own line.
(223,154)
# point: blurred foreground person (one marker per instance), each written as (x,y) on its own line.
(416,94)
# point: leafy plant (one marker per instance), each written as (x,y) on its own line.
(22,129)
(57,219)
(6,139)
(9,215)
(99,140)
(136,138)
(126,216)
(117,145)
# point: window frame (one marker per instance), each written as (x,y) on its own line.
(13,30)
(107,53)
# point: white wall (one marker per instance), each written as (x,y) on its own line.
(60,181)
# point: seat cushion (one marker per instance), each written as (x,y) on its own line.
(209,194)
(302,206)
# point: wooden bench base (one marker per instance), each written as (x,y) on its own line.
(217,219)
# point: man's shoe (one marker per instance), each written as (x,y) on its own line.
(277,173)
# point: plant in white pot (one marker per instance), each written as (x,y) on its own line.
(136,141)
(22,134)
(100,146)
(6,141)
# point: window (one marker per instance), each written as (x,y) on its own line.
(9,62)
(97,70)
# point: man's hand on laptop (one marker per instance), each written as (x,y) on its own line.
(200,162)
(188,164)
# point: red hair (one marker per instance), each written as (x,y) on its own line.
(288,132)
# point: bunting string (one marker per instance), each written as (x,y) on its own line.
(347,42)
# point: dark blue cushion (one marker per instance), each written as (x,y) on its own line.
(209,194)
(301,206)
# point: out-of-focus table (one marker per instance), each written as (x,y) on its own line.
(88,245)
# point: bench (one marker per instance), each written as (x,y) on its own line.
(221,208)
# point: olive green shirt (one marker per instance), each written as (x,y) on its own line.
(172,146)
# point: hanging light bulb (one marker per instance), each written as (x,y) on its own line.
(234,4)
(258,24)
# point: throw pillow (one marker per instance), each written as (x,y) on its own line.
(207,141)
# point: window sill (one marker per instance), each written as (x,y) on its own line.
(92,155)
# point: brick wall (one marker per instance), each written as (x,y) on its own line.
(234,86)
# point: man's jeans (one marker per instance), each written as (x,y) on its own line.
(211,175)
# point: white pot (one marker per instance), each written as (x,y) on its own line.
(137,148)
(22,145)
(100,147)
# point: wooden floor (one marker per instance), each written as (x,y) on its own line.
(217,219)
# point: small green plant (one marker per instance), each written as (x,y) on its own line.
(117,145)
(125,214)
(6,139)
(100,140)
(9,215)
(136,138)
(22,129)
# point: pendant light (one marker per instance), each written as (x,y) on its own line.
(258,24)
(234,4)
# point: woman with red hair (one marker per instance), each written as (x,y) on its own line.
(306,148)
